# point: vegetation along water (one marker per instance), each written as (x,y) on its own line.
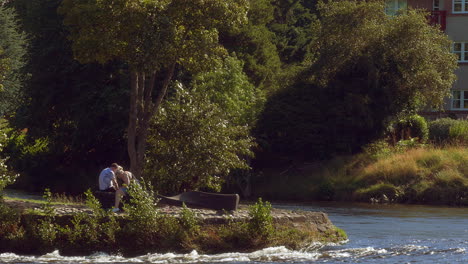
(377,234)
(282,100)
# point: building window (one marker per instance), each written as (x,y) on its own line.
(460,100)
(461,50)
(435,5)
(460,6)
(393,7)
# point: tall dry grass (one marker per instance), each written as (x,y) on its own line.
(421,175)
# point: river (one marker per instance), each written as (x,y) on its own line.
(377,234)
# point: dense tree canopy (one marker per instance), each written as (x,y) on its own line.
(333,74)
(192,144)
(228,87)
(4,67)
(77,111)
(12,59)
(152,37)
(367,69)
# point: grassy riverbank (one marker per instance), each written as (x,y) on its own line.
(423,175)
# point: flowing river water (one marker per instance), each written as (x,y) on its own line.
(377,234)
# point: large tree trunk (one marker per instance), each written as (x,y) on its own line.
(142,109)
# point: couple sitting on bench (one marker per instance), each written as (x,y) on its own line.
(108,182)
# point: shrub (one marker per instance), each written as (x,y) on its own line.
(11,232)
(44,232)
(141,233)
(414,126)
(439,130)
(459,132)
(7,177)
(90,232)
(376,149)
(188,221)
(261,221)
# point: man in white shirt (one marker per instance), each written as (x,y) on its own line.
(107,180)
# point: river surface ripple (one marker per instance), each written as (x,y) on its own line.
(377,234)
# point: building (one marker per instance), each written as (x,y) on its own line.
(452,17)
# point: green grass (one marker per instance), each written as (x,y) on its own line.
(424,175)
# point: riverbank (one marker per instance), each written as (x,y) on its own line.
(408,175)
(80,230)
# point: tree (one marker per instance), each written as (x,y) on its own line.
(366,69)
(402,62)
(203,131)
(3,68)
(193,144)
(227,86)
(78,111)
(254,45)
(12,59)
(152,37)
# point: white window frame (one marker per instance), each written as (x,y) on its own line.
(463,6)
(462,99)
(463,52)
(435,5)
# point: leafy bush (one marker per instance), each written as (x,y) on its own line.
(261,221)
(7,177)
(459,132)
(413,126)
(439,130)
(376,149)
(11,232)
(142,229)
(45,230)
(188,221)
(90,232)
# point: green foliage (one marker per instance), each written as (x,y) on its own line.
(228,87)
(90,232)
(254,44)
(142,210)
(347,97)
(459,132)
(152,38)
(448,131)
(406,144)
(7,176)
(142,230)
(391,77)
(150,34)
(188,221)
(11,231)
(261,221)
(380,193)
(413,126)
(4,68)
(56,94)
(46,230)
(193,145)
(13,47)
(376,149)
(419,175)
(148,230)
(294,123)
